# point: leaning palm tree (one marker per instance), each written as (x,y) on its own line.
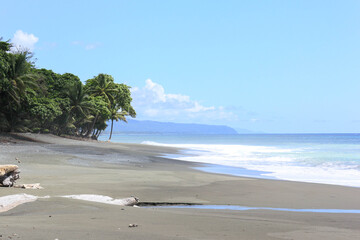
(116,114)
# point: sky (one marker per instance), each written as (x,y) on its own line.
(266,66)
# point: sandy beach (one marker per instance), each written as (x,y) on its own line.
(71,167)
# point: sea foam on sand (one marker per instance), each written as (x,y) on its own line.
(11,201)
(99,199)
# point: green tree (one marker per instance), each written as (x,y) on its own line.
(121,105)
(4,63)
(42,100)
(79,106)
(100,112)
(14,85)
(117,97)
(116,114)
(43,111)
(102,85)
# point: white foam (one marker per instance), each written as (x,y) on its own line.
(282,163)
(229,147)
(153,143)
(98,198)
(11,201)
(319,174)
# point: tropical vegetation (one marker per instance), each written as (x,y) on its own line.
(40,100)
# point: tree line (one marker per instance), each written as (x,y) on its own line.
(39,100)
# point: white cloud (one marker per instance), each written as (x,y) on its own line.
(91,46)
(86,46)
(199,108)
(22,40)
(76,43)
(152,102)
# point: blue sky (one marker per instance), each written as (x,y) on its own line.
(266,66)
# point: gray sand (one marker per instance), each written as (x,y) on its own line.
(68,167)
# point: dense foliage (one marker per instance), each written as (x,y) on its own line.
(39,100)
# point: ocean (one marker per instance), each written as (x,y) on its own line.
(316,158)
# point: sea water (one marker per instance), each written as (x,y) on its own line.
(317,158)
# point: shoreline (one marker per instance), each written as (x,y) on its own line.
(171,153)
(267,161)
(157,155)
(70,167)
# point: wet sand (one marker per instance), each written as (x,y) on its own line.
(70,167)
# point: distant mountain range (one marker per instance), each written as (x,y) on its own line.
(136,126)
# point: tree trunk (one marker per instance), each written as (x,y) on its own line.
(92,126)
(98,134)
(94,133)
(112,124)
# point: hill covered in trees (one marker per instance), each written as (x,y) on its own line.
(136,126)
(39,100)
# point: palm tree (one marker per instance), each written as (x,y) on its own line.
(4,63)
(13,86)
(19,71)
(102,85)
(116,115)
(79,106)
(116,96)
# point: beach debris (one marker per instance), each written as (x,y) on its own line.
(8,175)
(29,186)
(131,225)
(17,159)
(131,201)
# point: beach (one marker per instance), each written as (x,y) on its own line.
(71,167)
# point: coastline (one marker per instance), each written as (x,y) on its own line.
(68,167)
(314,158)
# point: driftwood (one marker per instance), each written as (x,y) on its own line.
(131,201)
(8,175)
(29,186)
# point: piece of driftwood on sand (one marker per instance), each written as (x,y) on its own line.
(8,175)
(29,186)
